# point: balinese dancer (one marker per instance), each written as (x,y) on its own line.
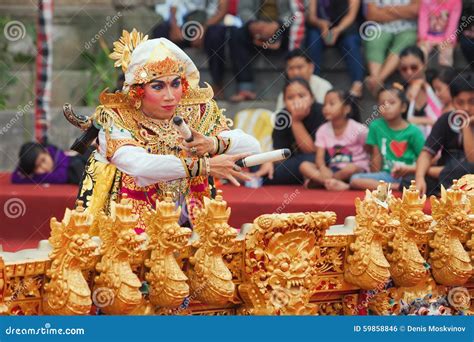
(140,153)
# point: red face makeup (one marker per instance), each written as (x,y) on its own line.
(162,96)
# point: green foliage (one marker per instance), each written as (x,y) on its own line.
(102,73)
(8,59)
(6,64)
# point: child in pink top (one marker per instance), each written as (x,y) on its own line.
(437,25)
(340,145)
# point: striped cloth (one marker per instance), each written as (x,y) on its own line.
(44,61)
(258,123)
(297,28)
(434,107)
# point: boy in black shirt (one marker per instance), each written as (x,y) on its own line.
(453,134)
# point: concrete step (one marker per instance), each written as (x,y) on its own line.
(332,60)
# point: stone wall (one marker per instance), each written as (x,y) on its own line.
(78,28)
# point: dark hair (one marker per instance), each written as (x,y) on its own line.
(399,91)
(299,80)
(348,100)
(463,82)
(29,152)
(445,74)
(298,53)
(413,50)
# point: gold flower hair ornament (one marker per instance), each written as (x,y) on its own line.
(124,47)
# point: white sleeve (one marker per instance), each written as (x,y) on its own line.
(146,168)
(241,142)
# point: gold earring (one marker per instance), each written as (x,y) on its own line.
(138,104)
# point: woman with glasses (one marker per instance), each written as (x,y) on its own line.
(425,107)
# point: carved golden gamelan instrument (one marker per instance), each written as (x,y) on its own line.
(281,264)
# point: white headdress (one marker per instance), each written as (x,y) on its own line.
(143,60)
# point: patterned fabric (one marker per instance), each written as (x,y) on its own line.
(44,61)
(100,186)
(258,123)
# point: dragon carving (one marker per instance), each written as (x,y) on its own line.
(210,279)
(68,293)
(450,263)
(407,266)
(116,285)
(168,283)
(367,266)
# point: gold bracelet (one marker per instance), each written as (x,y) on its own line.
(215,143)
(223,145)
(208,166)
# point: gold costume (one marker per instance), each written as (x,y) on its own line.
(120,111)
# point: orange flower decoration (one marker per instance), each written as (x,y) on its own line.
(184,85)
(137,92)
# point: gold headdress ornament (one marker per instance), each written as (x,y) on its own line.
(143,60)
(124,47)
(411,198)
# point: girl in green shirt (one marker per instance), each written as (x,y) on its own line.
(394,142)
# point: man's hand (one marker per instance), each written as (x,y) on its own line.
(175,34)
(299,108)
(414,89)
(399,171)
(223,166)
(421,185)
(266,169)
(201,143)
(324,27)
(334,34)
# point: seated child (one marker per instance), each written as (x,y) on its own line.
(40,164)
(453,135)
(343,140)
(440,81)
(395,143)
